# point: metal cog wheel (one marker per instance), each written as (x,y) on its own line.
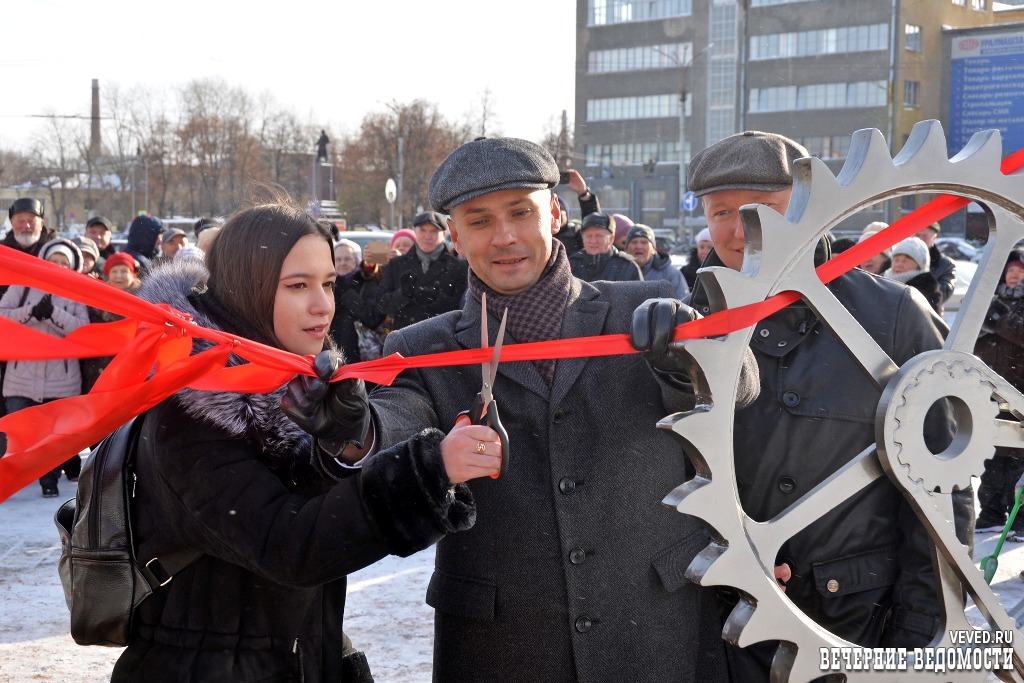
(779,256)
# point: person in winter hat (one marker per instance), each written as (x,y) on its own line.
(600,259)
(911,264)
(697,255)
(1001,346)
(144,237)
(32,383)
(641,244)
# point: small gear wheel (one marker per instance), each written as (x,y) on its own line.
(779,257)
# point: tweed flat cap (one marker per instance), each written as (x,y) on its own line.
(432,217)
(490,165)
(751,160)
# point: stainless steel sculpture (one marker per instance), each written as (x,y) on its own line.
(779,257)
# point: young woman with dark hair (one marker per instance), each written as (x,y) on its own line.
(278,519)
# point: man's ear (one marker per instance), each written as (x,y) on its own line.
(454,233)
(556,214)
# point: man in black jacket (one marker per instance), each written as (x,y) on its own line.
(600,259)
(864,570)
(426,281)
(943,268)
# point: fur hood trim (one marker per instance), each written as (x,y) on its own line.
(253,416)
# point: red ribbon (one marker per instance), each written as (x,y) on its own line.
(152,348)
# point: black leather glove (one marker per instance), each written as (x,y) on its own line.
(43,308)
(654,322)
(408,284)
(337,414)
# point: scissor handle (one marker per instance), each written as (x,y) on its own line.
(494,422)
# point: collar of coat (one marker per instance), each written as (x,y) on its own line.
(254,416)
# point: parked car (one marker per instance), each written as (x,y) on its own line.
(958,249)
(964,274)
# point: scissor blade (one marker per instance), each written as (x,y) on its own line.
(485,368)
(495,359)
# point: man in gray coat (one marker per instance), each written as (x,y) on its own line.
(573,571)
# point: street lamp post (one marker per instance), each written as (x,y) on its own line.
(685,231)
(390,194)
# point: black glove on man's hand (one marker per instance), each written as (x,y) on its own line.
(654,322)
(337,414)
(408,284)
(43,308)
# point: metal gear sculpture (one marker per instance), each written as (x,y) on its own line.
(779,256)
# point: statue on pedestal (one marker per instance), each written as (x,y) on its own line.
(321,146)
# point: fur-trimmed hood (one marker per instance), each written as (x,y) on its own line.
(255,416)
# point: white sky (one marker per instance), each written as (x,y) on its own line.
(329,62)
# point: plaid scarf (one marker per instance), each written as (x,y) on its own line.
(536,314)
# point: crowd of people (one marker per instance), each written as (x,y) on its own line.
(564,567)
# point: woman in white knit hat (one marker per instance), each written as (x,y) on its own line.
(911,265)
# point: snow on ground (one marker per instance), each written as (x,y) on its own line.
(385,615)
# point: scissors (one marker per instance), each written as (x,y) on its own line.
(485,409)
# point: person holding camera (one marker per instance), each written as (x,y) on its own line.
(426,281)
(1001,346)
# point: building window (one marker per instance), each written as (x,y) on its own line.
(912,38)
(978,5)
(827,146)
(910,93)
(960,3)
(818,96)
(765,3)
(604,12)
(631,153)
(627,108)
(822,42)
(670,56)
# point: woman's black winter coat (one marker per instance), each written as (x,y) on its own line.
(279,528)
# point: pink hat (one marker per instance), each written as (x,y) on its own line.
(405,232)
(622,225)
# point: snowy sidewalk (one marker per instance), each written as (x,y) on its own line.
(385,615)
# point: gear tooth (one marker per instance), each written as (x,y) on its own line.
(758,627)
(689,497)
(811,178)
(926,146)
(791,664)
(985,148)
(737,620)
(703,561)
(867,148)
(727,288)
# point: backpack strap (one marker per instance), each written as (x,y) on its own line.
(160,570)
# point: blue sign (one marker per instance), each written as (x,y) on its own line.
(987,88)
(689,201)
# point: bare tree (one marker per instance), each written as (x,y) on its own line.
(58,165)
(558,141)
(371,157)
(15,167)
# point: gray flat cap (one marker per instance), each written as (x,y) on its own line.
(751,160)
(489,165)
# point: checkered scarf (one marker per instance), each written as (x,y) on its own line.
(536,314)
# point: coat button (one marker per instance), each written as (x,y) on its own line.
(764,332)
(558,417)
(787,485)
(832,586)
(584,624)
(566,485)
(577,555)
(791,399)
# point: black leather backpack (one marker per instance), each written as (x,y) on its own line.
(103,578)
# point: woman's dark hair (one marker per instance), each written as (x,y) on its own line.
(246,258)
